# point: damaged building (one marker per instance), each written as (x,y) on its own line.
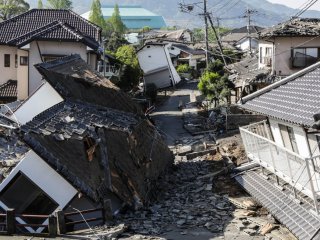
(93,149)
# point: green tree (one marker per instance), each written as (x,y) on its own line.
(59,4)
(96,15)
(215,87)
(116,22)
(131,70)
(11,8)
(40,4)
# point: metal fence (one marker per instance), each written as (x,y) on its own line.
(303,174)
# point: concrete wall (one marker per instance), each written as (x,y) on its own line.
(44,98)
(7,73)
(283,52)
(50,48)
(22,76)
(299,134)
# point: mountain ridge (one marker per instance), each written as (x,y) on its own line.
(232,15)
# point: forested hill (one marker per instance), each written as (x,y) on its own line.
(230,11)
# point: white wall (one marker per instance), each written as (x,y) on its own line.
(42,99)
(299,134)
(314,147)
(7,73)
(50,48)
(47,179)
(175,75)
(152,57)
(283,52)
(22,76)
(244,44)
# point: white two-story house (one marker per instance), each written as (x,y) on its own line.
(290,46)
(41,35)
(286,150)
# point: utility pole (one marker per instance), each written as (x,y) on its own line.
(218,40)
(206,31)
(248,14)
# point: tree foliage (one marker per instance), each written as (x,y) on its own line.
(96,15)
(215,87)
(40,4)
(184,68)
(115,22)
(11,8)
(131,71)
(59,4)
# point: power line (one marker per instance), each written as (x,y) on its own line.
(307,6)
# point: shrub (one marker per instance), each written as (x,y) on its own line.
(184,68)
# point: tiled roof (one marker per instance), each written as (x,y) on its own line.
(73,79)
(189,50)
(8,90)
(38,18)
(293,28)
(54,30)
(247,70)
(295,99)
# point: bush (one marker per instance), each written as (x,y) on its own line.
(184,68)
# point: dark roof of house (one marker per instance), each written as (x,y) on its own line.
(188,49)
(294,28)
(8,91)
(177,35)
(34,21)
(75,80)
(253,29)
(54,30)
(247,71)
(295,99)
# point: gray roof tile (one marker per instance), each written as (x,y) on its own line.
(295,99)
(35,19)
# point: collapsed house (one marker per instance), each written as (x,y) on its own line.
(247,77)
(156,64)
(92,149)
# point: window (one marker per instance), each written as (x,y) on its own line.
(288,138)
(16,60)
(23,60)
(7,60)
(303,57)
(260,54)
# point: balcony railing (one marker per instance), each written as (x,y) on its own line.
(303,174)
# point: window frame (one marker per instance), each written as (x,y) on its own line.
(7,60)
(22,63)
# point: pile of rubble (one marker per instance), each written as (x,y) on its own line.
(196,198)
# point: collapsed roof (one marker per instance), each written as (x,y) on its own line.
(247,71)
(97,138)
(75,80)
(295,27)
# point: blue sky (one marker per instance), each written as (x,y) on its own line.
(296,3)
